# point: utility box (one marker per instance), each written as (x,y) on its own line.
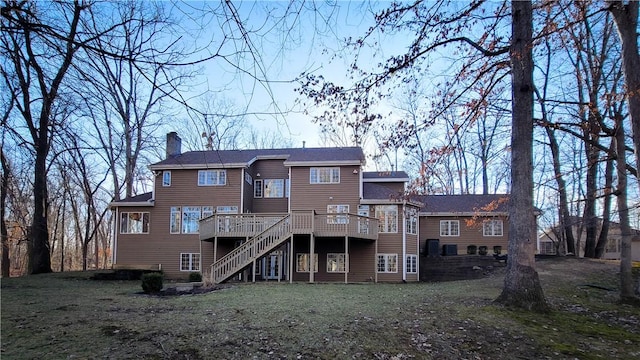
(449,250)
(433,248)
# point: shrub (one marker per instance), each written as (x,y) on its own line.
(195,277)
(152,283)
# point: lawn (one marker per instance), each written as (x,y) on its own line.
(67,315)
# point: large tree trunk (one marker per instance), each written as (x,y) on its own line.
(522,287)
(626,19)
(39,251)
(4,233)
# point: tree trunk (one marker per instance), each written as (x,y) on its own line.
(4,232)
(565,217)
(39,251)
(589,218)
(522,287)
(626,278)
(603,238)
(626,19)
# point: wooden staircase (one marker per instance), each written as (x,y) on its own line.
(255,248)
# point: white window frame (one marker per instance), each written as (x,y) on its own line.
(226,209)
(287,188)
(387,216)
(206,212)
(132,226)
(257,188)
(192,262)
(190,219)
(389,263)
(341,209)
(336,263)
(166,178)
(175,220)
(449,229)
(412,222)
(324,175)
(300,260)
(411,264)
(206,177)
(491,228)
(273,188)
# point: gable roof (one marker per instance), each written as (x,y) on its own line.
(496,204)
(145,199)
(243,158)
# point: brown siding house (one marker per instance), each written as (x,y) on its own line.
(302,214)
(460,221)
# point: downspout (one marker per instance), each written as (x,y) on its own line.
(242,191)
(115,237)
(404,241)
(418,244)
(360,191)
(289,198)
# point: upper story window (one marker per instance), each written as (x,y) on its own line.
(325,175)
(166,178)
(190,219)
(134,223)
(449,228)
(412,222)
(257,188)
(273,188)
(227,209)
(185,219)
(387,216)
(492,228)
(337,209)
(212,177)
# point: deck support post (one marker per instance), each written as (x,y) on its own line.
(253,270)
(312,263)
(346,259)
(375,262)
(291,255)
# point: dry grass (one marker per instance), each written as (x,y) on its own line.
(69,316)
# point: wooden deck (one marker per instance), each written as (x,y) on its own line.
(301,222)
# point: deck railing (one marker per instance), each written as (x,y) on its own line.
(247,252)
(302,222)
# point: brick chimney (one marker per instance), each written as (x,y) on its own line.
(174,144)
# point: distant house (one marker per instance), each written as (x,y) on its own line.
(548,240)
(302,214)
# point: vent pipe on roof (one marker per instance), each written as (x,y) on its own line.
(174,145)
(303,143)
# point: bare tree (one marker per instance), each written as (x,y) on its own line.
(521,285)
(625,15)
(39,44)
(4,232)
